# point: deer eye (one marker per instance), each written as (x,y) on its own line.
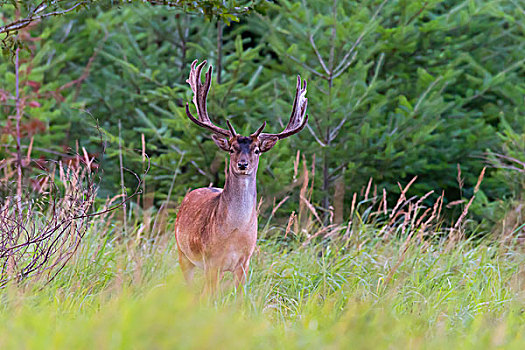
(232,150)
(257,151)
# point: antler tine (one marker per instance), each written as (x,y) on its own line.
(258,132)
(200,93)
(232,130)
(298,119)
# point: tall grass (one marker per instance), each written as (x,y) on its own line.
(388,278)
(126,294)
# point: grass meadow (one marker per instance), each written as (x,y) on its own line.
(398,277)
(361,290)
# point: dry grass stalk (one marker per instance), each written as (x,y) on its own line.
(460,180)
(425,196)
(402,197)
(312,176)
(300,222)
(385,205)
(401,258)
(259,205)
(107,217)
(454,203)
(348,231)
(291,220)
(401,202)
(436,213)
(296,165)
(410,216)
(276,207)
(368,189)
(480,178)
(512,229)
(352,209)
(457,231)
(325,231)
(312,210)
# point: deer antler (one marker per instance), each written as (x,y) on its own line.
(298,118)
(200,93)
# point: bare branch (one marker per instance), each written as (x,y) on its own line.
(319,57)
(319,141)
(417,13)
(425,93)
(342,70)
(305,66)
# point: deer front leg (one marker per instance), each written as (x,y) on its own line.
(213,277)
(187,267)
(241,272)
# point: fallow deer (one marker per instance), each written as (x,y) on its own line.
(216,229)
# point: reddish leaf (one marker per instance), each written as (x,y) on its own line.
(34,84)
(34,104)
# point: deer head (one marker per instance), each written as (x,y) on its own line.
(244,150)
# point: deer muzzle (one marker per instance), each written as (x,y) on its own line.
(242,165)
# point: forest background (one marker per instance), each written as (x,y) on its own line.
(397,89)
(394,220)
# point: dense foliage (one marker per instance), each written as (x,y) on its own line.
(396,89)
(353,251)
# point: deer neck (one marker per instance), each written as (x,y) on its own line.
(238,200)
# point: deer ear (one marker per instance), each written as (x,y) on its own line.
(221,142)
(268,143)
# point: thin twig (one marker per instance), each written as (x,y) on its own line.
(18,136)
(305,66)
(319,57)
(22,23)
(122,186)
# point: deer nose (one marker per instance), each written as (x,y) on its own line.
(242,165)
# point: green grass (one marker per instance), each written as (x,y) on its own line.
(117,294)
